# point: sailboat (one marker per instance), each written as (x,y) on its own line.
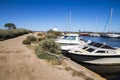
(111,35)
(108,34)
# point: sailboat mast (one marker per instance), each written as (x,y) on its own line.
(70,19)
(66,22)
(110,23)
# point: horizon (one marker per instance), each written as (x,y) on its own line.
(65,15)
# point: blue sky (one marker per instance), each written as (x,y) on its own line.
(42,15)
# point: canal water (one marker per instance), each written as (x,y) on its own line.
(114,42)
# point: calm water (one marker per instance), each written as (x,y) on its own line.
(114,42)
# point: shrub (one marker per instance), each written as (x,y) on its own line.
(50,36)
(31,38)
(27,42)
(39,34)
(45,47)
(7,34)
(49,50)
(89,78)
(56,33)
(40,39)
(48,45)
(46,56)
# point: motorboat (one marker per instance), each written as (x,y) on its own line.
(100,57)
(70,41)
(97,53)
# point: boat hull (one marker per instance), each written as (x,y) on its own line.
(103,69)
(99,64)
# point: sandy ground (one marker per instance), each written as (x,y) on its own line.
(18,62)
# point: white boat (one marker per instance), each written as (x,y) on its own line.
(111,35)
(98,55)
(70,41)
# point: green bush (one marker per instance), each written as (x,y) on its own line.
(40,39)
(53,34)
(27,42)
(7,34)
(39,34)
(56,33)
(31,38)
(50,36)
(45,47)
(46,56)
(50,46)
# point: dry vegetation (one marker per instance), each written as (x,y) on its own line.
(7,34)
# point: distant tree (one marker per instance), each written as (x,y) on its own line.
(10,26)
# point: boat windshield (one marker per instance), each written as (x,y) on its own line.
(92,43)
(100,45)
(107,47)
(90,49)
(69,37)
(85,47)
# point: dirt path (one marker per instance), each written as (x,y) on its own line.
(17,62)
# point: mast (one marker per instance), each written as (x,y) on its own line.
(70,13)
(108,21)
(68,21)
